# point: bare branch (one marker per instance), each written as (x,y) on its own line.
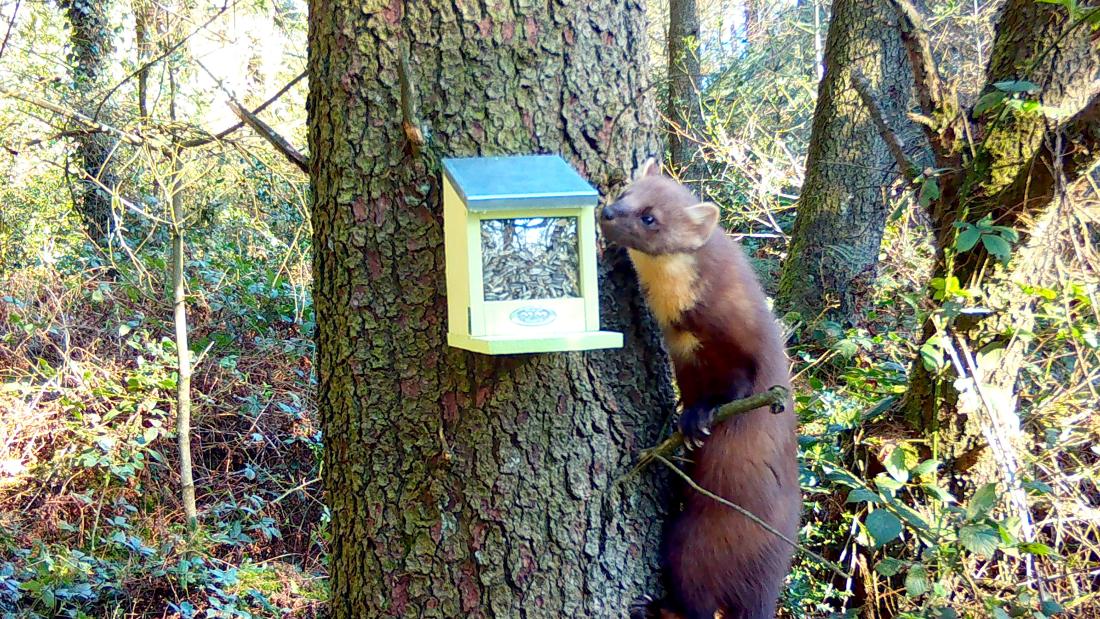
(776,397)
(84,121)
(263,106)
(915,37)
(11,26)
(266,132)
(269,134)
(836,569)
(908,169)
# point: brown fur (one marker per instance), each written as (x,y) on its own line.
(724,345)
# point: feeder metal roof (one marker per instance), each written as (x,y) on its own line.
(527,181)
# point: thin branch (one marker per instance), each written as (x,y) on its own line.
(836,569)
(915,37)
(168,52)
(87,123)
(266,132)
(908,169)
(263,106)
(11,26)
(775,397)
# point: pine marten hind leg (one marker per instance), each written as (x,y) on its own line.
(646,607)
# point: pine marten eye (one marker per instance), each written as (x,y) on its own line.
(648,219)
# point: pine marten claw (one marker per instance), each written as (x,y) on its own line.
(644,608)
(695,422)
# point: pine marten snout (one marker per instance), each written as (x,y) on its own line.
(658,216)
(724,344)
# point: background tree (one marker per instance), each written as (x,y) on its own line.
(832,259)
(1031,134)
(683,111)
(461,484)
(90,41)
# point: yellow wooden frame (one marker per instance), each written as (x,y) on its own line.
(483,326)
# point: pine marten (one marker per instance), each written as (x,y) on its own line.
(725,345)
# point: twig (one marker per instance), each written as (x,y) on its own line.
(263,106)
(11,26)
(73,115)
(908,169)
(836,569)
(266,132)
(168,52)
(774,397)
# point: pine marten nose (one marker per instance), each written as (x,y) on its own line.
(608,213)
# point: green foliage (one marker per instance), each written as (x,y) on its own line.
(997,240)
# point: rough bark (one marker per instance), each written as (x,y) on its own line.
(833,255)
(1017,167)
(683,109)
(91,45)
(463,485)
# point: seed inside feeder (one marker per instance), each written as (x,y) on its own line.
(530,258)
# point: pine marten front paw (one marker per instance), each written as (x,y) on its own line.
(644,607)
(695,422)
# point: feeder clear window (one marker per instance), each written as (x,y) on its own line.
(530,258)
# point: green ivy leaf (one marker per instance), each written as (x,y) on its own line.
(916,581)
(926,467)
(883,526)
(979,539)
(983,500)
(1036,548)
(1009,234)
(887,483)
(998,612)
(931,356)
(860,495)
(889,567)
(997,246)
(929,192)
(1017,86)
(895,465)
(1050,608)
(938,493)
(967,239)
(988,101)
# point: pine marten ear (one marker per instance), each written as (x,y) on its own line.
(649,168)
(705,218)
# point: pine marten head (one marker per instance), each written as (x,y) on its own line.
(657,216)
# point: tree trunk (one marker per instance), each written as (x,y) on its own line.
(90,39)
(683,110)
(463,485)
(832,260)
(1020,162)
